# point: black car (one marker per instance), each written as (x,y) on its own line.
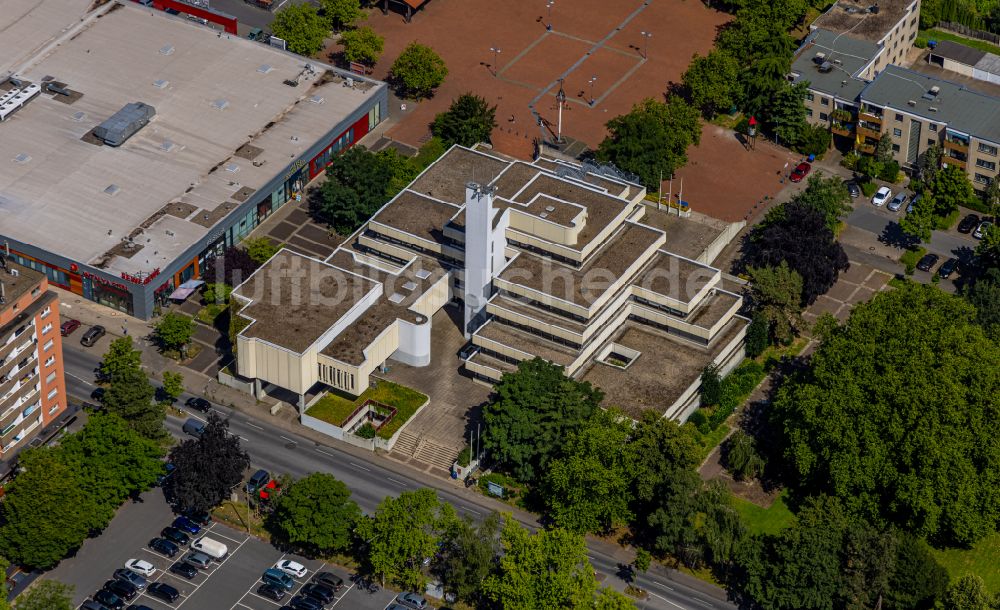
(163,591)
(968,223)
(184,569)
(927,262)
(98,393)
(175,535)
(138,607)
(948,268)
(329,580)
(168,471)
(198,404)
(271,592)
(109,599)
(853,188)
(300,602)
(200,517)
(163,546)
(319,592)
(90,337)
(122,588)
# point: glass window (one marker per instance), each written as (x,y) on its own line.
(823,116)
(983,163)
(930,141)
(810,96)
(54,408)
(895,148)
(897,132)
(53,392)
(980,178)
(825,101)
(899,117)
(933,127)
(48,345)
(986,148)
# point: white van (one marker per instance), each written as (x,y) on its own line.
(213,548)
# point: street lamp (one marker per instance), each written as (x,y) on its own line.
(548,26)
(560,100)
(645,44)
(496,51)
(593,79)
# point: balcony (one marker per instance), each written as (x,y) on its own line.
(868,149)
(868,115)
(842,129)
(956,144)
(961,163)
(867,130)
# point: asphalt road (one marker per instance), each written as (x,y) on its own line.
(283,452)
(250,15)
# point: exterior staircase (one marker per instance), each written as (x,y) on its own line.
(409,445)
(406,444)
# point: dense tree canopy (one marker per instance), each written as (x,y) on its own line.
(797,233)
(951,188)
(712,82)
(651,141)
(208,467)
(341,13)
(357,184)
(46,594)
(362,45)
(468,554)
(316,514)
(777,297)
(232,268)
(302,27)
(828,196)
(260,249)
(533,410)
(909,376)
(174,330)
(130,396)
(121,357)
(418,71)
(985,297)
(468,121)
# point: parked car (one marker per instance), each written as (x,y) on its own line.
(271,592)
(258,480)
(193,427)
(175,535)
(186,525)
(412,600)
(968,223)
(164,547)
(98,394)
(109,599)
(184,569)
(980,231)
(278,578)
(329,579)
(93,605)
(66,328)
(168,470)
(90,337)
(136,580)
(213,548)
(201,517)
(300,602)
(396,607)
(121,588)
(852,188)
(801,171)
(927,262)
(948,268)
(163,591)
(324,594)
(292,568)
(138,607)
(198,404)
(897,201)
(198,559)
(913,203)
(140,566)
(882,195)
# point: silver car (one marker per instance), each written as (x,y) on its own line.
(897,201)
(198,559)
(136,580)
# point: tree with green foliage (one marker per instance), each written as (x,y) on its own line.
(951,188)
(112,460)
(173,385)
(4,604)
(776,293)
(741,456)
(711,385)
(357,184)
(988,248)
(929,164)
(316,515)
(302,27)
(828,196)
(814,140)
(46,594)
(468,555)
(402,533)
(174,331)
(883,150)
(917,579)
(547,569)
(652,140)
(758,336)
(587,487)
(468,121)
(660,448)
(418,71)
(712,82)
(787,114)
(120,358)
(47,510)
(341,14)
(208,467)
(984,295)
(362,45)
(531,411)
(217,293)
(991,194)
(968,593)
(260,249)
(642,560)
(130,396)
(840,417)
(609,599)
(921,221)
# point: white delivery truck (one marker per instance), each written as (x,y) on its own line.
(213,548)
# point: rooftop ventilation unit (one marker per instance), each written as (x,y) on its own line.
(911,102)
(423,274)
(543,215)
(819,58)
(396,298)
(112,189)
(58,90)
(232,168)
(123,124)
(22,158)
(825,67)
(79,117)
(264,68)
(409,286)
(349,82)
(161,84)
(220,104)
(873,9)
(15,99)
(167,50)
(317,99)
(550,208)
(167,145)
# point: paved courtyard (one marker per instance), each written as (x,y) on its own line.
(856,285)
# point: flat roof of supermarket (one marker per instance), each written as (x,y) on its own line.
(213,94)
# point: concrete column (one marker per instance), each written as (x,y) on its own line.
(302,405)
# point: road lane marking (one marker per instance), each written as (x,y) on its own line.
(289,440)
(81,379)
(358,466)
(400,483)
(325,453)
(660,584)
(253,425)
(667,600)
(244,439)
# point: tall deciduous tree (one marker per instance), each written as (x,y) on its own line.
(786,116)
(532,411)
(402,533)
(777,297)
(929,164)
(341,13)
(418,71)
(548,569)
(208,467)
(173,385)
(121,357)
(468,121)
(828,196)
(316,514)
(130,396)
(356,186)
(302,27)
(46,594)
(988,249)
(174,330)
(862,431)
(968,593)
(362,45)
(652,140)
(985,297)
(468,554)
(260,249)
(951,188)
(712,82)
(920,221)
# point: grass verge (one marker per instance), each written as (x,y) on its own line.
(335,407)
(708,441)
(943,223)
(236,515)
(982,45)
(208,313)
(760,520)
(982,559)
(911,257)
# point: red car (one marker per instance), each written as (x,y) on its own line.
(801,171)
(67,327)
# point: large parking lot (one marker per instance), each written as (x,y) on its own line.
(229,584)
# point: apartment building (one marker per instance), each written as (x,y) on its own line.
(32,388)
(566,262)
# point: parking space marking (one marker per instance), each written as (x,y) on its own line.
(270,601)
(215,533)
(343,595)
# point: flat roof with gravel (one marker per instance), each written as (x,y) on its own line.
(856,17)
(417,215)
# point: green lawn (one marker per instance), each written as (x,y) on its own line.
(910,258)
(765,520)
(982,45)
(208,313)
(335,407)
(946,222)
(981,559)
(708,442)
